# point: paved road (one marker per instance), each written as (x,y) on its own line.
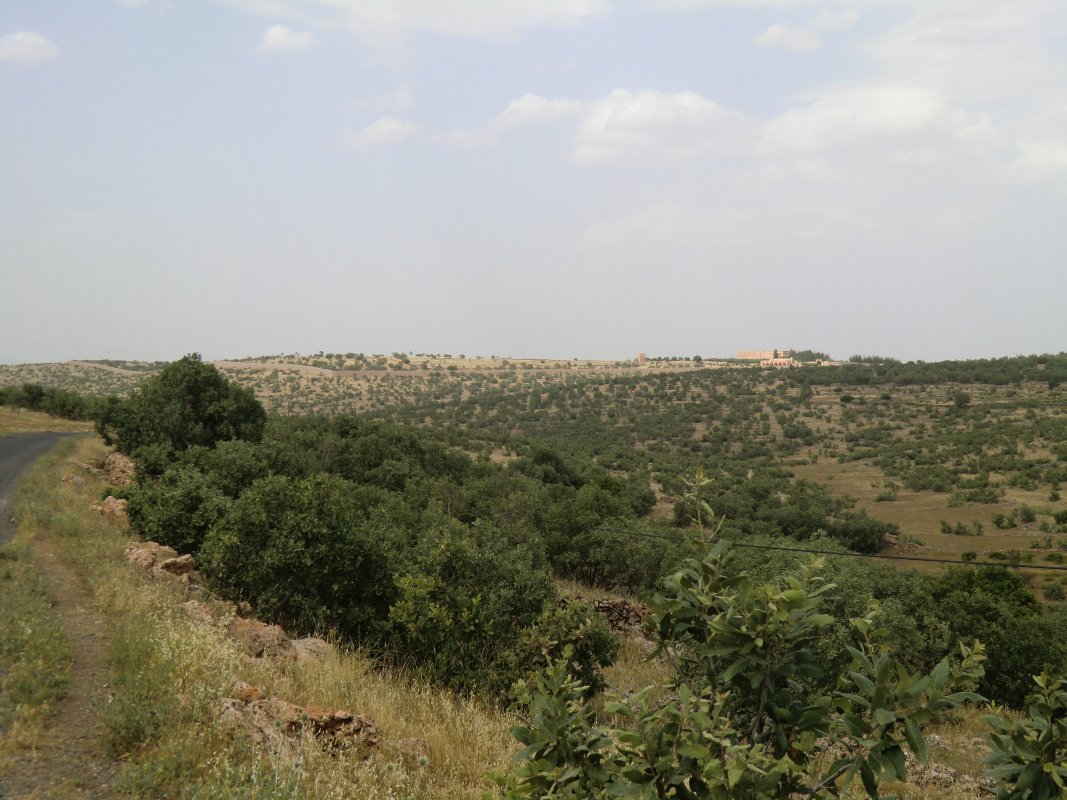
(18,451)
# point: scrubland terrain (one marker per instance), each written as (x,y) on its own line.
(470,529)
(149,677)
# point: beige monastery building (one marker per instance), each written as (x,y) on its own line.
(763,355)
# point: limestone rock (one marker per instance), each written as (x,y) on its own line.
(119,469)
(311,650)
(179,565)
(147,554)
(90,467)
(247,693)
(937,742)
(279,725)
(200,612)
(340,728)
(113,508)
(938,775)
(259,639)
(164,562)
(237,716)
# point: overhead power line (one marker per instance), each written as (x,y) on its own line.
(676,540)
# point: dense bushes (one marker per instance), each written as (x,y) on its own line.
(300,551)
(50,400)
(924,615)
(378,533)
(464,599)
(443,560)
(860,532)
(186,403)
(618,557)
(178,509)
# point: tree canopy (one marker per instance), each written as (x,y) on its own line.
(187,403)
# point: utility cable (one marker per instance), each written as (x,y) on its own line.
(676,540)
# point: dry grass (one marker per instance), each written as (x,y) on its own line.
(169,672)
(21,421)
(919,513)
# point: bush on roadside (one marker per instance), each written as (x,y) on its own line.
(178,509)
(302,554)
(462,604)
(186,403)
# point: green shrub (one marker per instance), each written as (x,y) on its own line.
(574,632)
(994,604)
(178,509)
(1029,756)
(985,494)
(302,553)
(233,465)
(617,558)
(860,532)
(1004,522)
(186,403)
(462,605)
(934,478)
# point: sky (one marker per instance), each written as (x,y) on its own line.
(542,178)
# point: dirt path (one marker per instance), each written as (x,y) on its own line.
(69,760)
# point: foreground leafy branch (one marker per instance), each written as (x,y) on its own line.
(1029,757)
(746,717)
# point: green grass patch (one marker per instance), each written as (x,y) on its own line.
(35,657)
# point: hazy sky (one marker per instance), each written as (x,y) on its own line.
(532,177)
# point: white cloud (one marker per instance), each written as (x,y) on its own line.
(26,47)
(1045,158)
(278,38)
(387,26)
(469,138)
(795,4)
(796,40)
(384,131)
(806,37)
(473,19)
(657,125)
(532,108)
(841,116)
(396,102)
(829,21)
(978,52)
